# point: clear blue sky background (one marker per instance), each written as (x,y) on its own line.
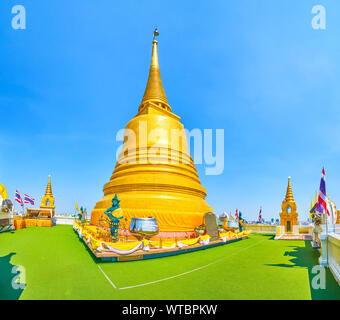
(255,68)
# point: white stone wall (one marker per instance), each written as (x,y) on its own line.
(261,228)
(64,220)
(334,255)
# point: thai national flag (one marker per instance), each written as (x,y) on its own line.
(28,199)
(18,198)
(322,199)
(260,215)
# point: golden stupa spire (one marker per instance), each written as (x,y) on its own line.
(162,184)
(289,193)
(47,201)
(154,91)
(48,188)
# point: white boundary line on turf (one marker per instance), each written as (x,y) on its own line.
(108,279)
(193,270)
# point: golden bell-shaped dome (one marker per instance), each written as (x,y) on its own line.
(154,175)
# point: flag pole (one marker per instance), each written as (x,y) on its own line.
(14,205)
(327,235)
(12,217)
(333,217)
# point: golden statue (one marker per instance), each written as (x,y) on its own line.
(288,216)
(155,176)
(47,202)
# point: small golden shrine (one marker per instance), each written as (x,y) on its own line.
(47,202)
(288,216)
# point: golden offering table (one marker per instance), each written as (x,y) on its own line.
(44,223)
(19,224)
(29,222)
(38,222)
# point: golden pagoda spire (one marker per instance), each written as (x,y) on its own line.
(47,201)
(162,184)
(154,91)
(48,188)
(289,193)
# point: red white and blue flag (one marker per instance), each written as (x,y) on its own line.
(28,199)
(260,215)
(18,198)
(322,199)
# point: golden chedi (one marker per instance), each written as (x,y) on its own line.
(155,175)
(47,201)
(288,216)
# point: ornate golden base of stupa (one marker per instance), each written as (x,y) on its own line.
(155,175)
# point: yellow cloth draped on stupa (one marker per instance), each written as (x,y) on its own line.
(3,193)
(155,175)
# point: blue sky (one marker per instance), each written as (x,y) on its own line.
(257,69)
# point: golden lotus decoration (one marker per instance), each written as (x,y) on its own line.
(155,175)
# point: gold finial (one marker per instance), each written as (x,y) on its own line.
(154,91)
(155,33)
(48,188)
(289,193)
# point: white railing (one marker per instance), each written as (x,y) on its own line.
(64,219)
(261,228)
(334,255)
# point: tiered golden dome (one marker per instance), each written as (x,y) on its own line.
(49,187)
(288,215)
(47,201)
(154,89)
(289,193)
(154,175)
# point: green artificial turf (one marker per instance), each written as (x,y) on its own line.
(59,266)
